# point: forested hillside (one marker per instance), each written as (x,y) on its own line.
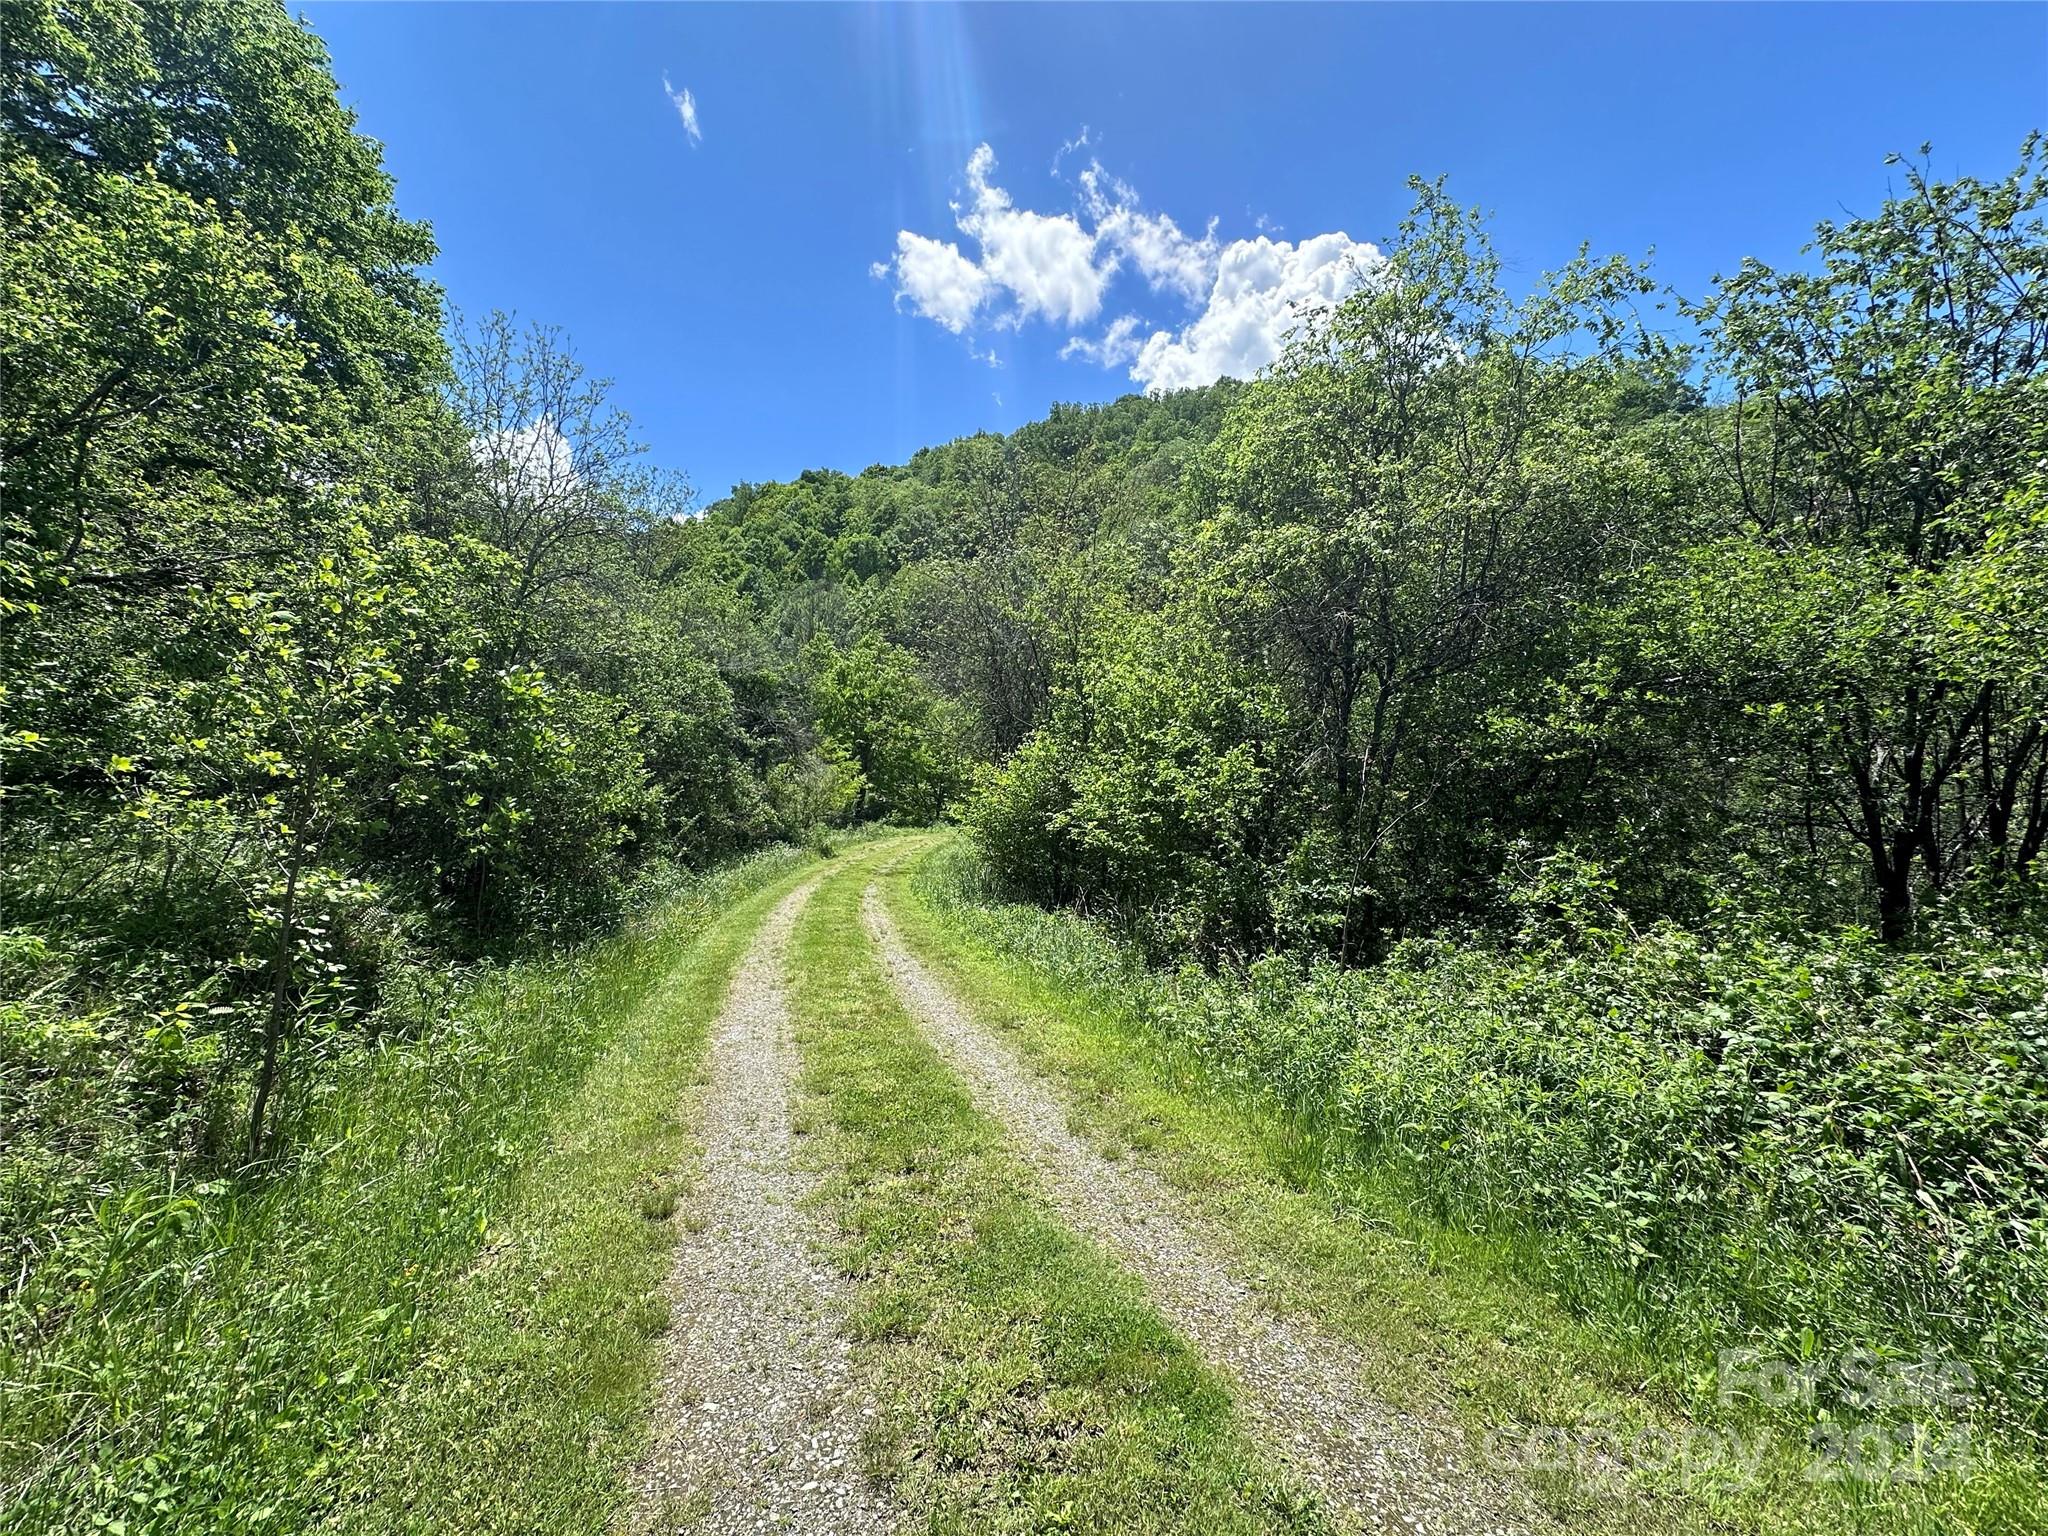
(1582,750)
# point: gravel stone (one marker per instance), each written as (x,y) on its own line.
(1301,1387)
(760,1417)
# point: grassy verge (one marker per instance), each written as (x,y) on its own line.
(1025,1383)
(1614,1435)
(251,1358)
(530,1404)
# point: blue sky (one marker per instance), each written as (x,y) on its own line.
(775,292)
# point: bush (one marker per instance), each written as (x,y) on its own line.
(810,793)
(885,725)
(1015,811)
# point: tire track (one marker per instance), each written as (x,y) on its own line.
(1300,1387)
(759,1421)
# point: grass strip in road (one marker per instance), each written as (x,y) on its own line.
(1024,1382)
(530,1405)
(1443,1314)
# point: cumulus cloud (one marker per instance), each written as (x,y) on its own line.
(1045,262)
(1237,300)
(1027,265)
(534,463)
(1264,288)
(1118,344)
(936,279)
(686,108)
(1151,242)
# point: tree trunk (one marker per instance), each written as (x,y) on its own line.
(280,1000)
(1895,899)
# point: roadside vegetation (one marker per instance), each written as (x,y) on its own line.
(527,1407)
(477,1211)
(1614,1390)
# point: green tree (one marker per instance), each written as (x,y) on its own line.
(1395,521)
(213,325)
(1887,452)
(877,715)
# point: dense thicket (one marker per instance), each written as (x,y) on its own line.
(1471,574)
(299,655)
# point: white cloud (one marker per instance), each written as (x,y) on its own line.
(1058,267)
(1028,266)
(1168,259)
(1264,289)
(1079,141)
(1119,344)
(1045,261)
(1152,242)
(939,282)
(533,463)
(686,108)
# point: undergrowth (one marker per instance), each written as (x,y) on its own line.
(196,1355)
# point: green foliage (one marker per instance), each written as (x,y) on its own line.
(1169,815)
(1745,1138)
(1470,572)
(337,651)
(1671,759)
(812,793)
(1306,1109)
(1902,393)
(318,657)
(879,719)
(206,1355)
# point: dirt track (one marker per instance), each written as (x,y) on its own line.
(1300,1387)
(759,1424)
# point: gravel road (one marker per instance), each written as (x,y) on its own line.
(1300,1386)
(759,1421)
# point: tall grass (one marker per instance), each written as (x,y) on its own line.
(206,1356)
